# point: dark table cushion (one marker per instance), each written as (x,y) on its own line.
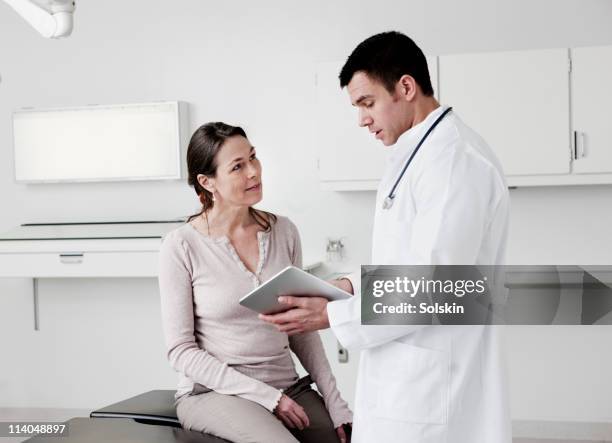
(154,407)
(151,408)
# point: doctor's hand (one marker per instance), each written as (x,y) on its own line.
(305,314)
(291,413)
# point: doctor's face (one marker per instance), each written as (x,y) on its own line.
(386,115)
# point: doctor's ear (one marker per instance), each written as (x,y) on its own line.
(206,182)
(407,87)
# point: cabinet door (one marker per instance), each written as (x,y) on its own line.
(518,102)
(591,98)
(346,151)
(350,158)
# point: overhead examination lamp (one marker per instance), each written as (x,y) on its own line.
(51,18)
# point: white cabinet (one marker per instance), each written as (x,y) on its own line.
(128,249)
(80,258)
(591,99)
(544,112)
(349,156)
(518,102)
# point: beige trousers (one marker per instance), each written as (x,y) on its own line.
(243,421)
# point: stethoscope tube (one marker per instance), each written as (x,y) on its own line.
(388,202)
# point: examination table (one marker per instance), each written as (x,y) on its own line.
(146,418)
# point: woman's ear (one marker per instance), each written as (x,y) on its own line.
(407,87)
(206,182)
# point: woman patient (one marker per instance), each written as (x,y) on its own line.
(237,377)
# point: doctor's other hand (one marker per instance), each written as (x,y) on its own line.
(291,413)
(305,314)
(344,284)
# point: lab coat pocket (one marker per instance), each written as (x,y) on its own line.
(410,383)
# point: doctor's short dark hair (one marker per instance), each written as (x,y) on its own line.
(386,57)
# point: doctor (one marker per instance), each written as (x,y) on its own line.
(442,200)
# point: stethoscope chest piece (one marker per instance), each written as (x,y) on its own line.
(387,203)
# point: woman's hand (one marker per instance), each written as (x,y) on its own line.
(291,414)
(342,434)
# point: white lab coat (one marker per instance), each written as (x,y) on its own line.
(432,384)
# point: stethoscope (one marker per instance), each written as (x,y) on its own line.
(388,202)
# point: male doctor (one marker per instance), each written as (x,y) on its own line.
(419,384)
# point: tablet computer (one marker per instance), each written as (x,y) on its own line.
(289,281)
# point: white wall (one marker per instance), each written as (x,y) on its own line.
(252,63)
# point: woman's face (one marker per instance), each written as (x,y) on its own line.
(238,178)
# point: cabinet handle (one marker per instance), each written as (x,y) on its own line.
(579,140)
(575,145)
(69,259)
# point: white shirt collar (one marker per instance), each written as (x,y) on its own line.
(407,142)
